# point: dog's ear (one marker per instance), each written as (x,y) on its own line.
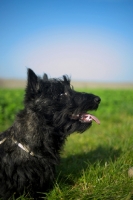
(66,79)
(32,84)
(45,77)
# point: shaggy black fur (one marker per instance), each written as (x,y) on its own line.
(30,148)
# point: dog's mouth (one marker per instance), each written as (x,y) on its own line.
(85,118)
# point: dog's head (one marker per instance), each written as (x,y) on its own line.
(56,102)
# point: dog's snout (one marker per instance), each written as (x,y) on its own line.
(97,100)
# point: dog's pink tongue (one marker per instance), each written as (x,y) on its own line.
(86,118)
(95,119)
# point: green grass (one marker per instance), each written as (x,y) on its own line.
(94,165)
(11,101)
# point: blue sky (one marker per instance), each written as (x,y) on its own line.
(90,40)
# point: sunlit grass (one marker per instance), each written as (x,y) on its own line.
(94,165)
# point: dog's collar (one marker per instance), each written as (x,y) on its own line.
(24,148)
(19,145)
(2,141)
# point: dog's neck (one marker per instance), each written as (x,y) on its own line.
(19,145)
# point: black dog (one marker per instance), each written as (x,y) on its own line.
(30,148)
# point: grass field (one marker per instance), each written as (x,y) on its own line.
(94,165)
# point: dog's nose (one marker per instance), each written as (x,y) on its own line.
(97,100)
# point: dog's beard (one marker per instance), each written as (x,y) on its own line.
(73,122)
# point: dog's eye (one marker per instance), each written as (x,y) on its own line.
(63,94)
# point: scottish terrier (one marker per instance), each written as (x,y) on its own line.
(30,148)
